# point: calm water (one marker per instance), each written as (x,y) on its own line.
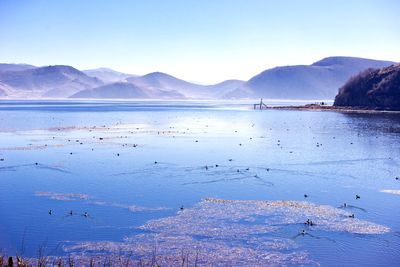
(128,163)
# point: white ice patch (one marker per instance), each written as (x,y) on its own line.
(233,232)
(62,196)
(391,191)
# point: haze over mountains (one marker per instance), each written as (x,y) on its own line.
(319,80)
(126,90)
(50,81)
(107,75)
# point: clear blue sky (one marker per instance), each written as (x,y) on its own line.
(197,40)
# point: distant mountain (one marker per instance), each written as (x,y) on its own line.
(320,80)
(219,90)
(15,67)
(5,90)
(2,92)
(125,90)
(26,81)
(113,90)
(108,75)
(50,81)
(166,82)
(373,88)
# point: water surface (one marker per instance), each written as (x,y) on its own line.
(132,166)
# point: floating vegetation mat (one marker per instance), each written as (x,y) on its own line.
(233,232)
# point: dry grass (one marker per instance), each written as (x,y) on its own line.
(185,259)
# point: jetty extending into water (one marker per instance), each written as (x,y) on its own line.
(261,105)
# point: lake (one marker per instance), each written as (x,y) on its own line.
(219,180)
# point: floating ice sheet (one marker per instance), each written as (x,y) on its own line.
(63,196)
(170,251)
(90,200)
(131,207)
(234,232)
(391,191)
(32,147)
(210,214)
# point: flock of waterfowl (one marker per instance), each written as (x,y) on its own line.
(104,127)
(277,143)
(308,222)
(71,213)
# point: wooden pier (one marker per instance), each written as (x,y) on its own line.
(261,105)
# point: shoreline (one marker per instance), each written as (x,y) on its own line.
(343,109)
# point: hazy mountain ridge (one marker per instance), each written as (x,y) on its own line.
(372,88)
(319,80)
(2,92)
(219,90)
(49,81)
(125,90)
(113,90)
(5,90)
(15,67)
(163,81)
(166,82)
(108,75)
